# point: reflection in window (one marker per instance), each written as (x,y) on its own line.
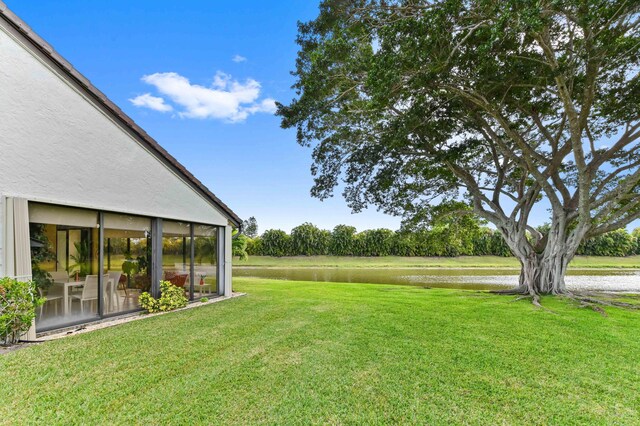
(206,260)
(127,261)
(65,253)
(176,254)
(64,257)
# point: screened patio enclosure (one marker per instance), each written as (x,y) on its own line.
(92,264)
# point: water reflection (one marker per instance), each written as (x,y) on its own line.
(468,278)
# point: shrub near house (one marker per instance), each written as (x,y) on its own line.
(18,303)
(172,297)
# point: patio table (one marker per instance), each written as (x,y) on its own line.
(202,287)
(68,285)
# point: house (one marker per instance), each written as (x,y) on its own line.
(91,207)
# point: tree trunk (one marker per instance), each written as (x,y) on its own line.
(543,273)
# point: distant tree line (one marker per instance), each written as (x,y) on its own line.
(464,236)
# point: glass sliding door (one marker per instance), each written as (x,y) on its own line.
(176,254)
(69,251)
(206,260)
(64,252)
(62,249)
(127,261)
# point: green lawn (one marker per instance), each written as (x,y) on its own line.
(410,262)
(309,353)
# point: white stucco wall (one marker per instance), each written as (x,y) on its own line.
(1,236)
(57,146)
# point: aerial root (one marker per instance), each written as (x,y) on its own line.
(594,308)
(518,291)
(596,301)
(535,298)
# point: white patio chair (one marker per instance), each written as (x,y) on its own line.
(60,276)
(89,292)
(112,288)
(53,294)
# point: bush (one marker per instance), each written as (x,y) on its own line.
(403,244)
(342,241)
(499,246)
(148,302)
(635,235)
(461,235)
(239,246)
(616,243)
(18,303)
(308,240)
(204,299)
(375,242)
(254,246)
(275,243)
(482,242)
(420,242)
(172,297)
(443,242)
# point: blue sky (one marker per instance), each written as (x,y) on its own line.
(232,59)
(204,75)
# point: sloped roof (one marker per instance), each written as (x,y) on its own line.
(70,72)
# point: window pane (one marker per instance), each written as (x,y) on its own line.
(64,258)
(127,261)
(176,254)
(206,260)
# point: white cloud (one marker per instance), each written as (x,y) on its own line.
(267,105)
(238,58)
(153,102)
(226,99)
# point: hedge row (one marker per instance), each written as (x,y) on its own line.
(308,240)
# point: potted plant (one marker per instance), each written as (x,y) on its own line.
(82,264)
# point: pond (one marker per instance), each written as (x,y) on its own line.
(466,278)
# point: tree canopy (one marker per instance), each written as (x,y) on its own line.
(250,227)
(418,106)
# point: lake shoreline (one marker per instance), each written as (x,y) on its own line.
(453,268)
(461,262)
(582,279)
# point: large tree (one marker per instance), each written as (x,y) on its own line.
(250,227)
(503,104)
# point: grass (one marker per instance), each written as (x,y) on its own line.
(309,353)
(427,262)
